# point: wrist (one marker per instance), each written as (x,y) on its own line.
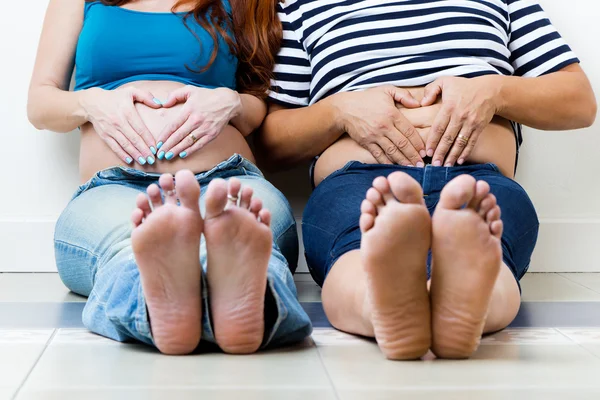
(235,100)
(83,102)
(498,86)
(335,109)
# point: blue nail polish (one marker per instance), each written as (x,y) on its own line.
(142,161)
(161,155)
(157,101)
(169,155)
(150,160)
(159,145)
(183,154)
(129,160)
(153,150)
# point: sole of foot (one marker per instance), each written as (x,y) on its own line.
(239,242)
(166,244)
(467,256)
(396,236)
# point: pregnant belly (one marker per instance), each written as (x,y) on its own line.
(495,145)
(96,155)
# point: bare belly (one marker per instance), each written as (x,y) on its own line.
(495,145)
(96,155)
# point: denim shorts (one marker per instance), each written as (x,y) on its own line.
(330,222)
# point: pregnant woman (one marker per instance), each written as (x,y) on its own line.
(413,108)
(155,93)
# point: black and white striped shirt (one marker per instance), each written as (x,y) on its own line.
(333,46)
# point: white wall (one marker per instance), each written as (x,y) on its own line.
(38,169)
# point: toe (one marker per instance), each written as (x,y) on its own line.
(154,196)
(368,208)
(382,185)
(141,202)
(366,222)
(488,203)
(458,192)
(405,188)
(496,228)
(234,186)
(255,206)
(265,217)
(167,184)
(188,189)
(137,216)
(493,215)
(482,189)
(375,197)
(246,197)
(216,198)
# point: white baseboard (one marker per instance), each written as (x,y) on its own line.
(563,246)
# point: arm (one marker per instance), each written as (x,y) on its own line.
(251,114)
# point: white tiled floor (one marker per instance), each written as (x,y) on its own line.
(528,364)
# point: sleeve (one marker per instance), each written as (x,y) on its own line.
(290,86)
(536,46)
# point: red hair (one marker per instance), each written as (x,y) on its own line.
(256,39)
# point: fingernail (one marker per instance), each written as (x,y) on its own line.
(448,165)
(161,155)
(423,154)
(430,153)
(157,101)
(129,160)
(153,150)
(142,161)
(461,161)
(183,154)
(150,160)
(169,155)
(159,145)
(437,163)
(420,164)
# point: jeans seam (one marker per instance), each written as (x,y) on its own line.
(76,246)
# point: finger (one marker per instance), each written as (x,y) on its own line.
(464,156)
(128,147)
(378,153)
(178,96)
(181,135)
(446,142)
(462,139)
(394,146)
(144,97)
(137,141)
(437,130)
(118,150)
(189,147)
(405,98)
(410,132)
(171,127)
(432,91)
(138,125)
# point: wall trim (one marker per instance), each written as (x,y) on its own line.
(564,245)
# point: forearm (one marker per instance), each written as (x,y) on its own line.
(559,101)
(54,109)
(252,113)
(290,136)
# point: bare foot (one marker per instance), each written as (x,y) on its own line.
(238,241)
(166,244)
(467,256)
(396,237)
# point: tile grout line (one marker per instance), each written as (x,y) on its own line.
(577,343)
(577,283)
(37,360)
(335,392)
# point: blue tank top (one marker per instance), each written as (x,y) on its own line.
(117,46)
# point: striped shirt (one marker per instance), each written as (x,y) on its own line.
(332,46)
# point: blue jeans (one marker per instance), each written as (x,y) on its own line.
(95,259)
(330,223)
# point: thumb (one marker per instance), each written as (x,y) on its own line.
(432,91)
(144,97)
(405,98)
(178,96)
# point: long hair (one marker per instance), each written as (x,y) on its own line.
(256,39)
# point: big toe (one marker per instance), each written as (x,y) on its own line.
(458,192)
(216,198)
(188,189)
(405,188)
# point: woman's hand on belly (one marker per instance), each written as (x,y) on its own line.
(204,114)
(469,105)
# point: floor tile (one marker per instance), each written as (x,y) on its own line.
(40,315)
(593,348)
(582,335)
(7,393)
(589,280)
(290,393)
(35,288)
(308,292)
(467,394)
(553,287)
(506,367)
(526,336)
(131,365)
(333,337)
